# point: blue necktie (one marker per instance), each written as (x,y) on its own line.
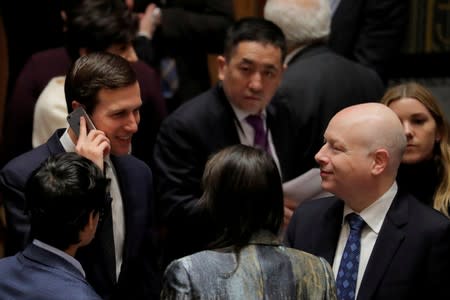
(348,269)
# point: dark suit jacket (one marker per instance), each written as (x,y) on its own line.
(34,77)
(39,274)
(316,85)
(135,182)
(410,259)
(187,138)
(369,31)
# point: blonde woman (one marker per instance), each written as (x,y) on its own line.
(425,168)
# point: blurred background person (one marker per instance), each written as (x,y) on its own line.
(66,196)
(243,195)
(370,32)
(425,168)
(187,31)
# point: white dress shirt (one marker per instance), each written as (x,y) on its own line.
(373,216)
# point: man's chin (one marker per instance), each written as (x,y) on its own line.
(121,152)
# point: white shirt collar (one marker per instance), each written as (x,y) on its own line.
(374,214)
(61,254)
(241,114)
(292,54)
(67,142)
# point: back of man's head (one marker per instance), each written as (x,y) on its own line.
(93,72)
(98,24)
(254,30)
(61,195)
(303,22)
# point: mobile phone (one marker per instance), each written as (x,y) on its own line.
(74,120)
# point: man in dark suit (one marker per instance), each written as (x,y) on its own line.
(67,195)
(396,247)
(250,71)
(117,262)
(370,32)
(317,82)
(94,25)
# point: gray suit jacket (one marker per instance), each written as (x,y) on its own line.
(261,270)
(38,274)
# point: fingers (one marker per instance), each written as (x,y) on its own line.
(94,145)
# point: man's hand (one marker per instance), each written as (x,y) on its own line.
(94,145)
(149,20)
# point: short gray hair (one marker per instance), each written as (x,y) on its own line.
(302,21)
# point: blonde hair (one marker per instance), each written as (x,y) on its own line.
(441,198)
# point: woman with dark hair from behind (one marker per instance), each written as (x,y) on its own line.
(243,195)
(425,168)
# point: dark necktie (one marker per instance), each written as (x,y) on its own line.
(260,140)
(106,235)
(348,269)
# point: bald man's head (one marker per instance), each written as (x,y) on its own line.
(373,126)
(363,148)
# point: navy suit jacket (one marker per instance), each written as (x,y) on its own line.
(410,259)
(199,128)
(316,85)
(39,274)
(137,275)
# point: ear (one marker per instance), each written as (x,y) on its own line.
(75,104)
(380,161)
(93,221)
(222,64)
(88,232)
(438,136)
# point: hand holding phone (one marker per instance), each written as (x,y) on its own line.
(91,143)
(74,120)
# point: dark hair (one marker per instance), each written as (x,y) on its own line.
(98,24)
(243,193)
(61,194)
(254,30)
(93,72)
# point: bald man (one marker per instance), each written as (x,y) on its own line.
(381,242)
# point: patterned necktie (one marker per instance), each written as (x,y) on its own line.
(348,269)
(260,140)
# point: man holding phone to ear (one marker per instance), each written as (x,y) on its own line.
(118,263)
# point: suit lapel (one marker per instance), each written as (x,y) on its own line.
(328,232)
(389,239)
(279,132)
